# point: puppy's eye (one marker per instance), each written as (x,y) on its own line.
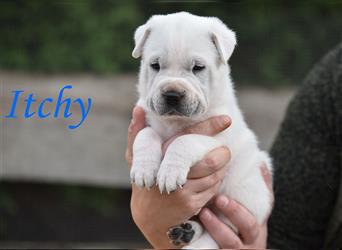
(155,66)
(198,68)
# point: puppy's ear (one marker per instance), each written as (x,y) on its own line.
(224,40)
(140,37)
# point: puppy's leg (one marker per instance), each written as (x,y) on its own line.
(183,153)
(147,156)
(249,189)
(254,195)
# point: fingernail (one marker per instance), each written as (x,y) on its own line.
(225,121)
(132,121)
(264,169)
(134,110)
(205,215)
(222,202)
(133,115)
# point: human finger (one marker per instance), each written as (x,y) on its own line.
(211,162)
(240,217)
(137,124)
(201,184)
(210,127)
(220,232)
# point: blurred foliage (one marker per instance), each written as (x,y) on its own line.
(101,200)
(278,41)
(7,205)
(6,202)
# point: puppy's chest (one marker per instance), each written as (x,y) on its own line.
(167,128)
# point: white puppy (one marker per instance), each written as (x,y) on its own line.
(184,78)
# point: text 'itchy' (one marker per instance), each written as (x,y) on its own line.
(48,107)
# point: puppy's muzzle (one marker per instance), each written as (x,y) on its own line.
(173,98)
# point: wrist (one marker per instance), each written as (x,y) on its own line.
(156,237)
(154,233)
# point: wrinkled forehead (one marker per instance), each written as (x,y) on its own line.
(180,44)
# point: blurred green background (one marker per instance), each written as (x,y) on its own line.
(278,41)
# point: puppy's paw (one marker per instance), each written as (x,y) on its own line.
(147,157)
(171,177)
(144,174)
(185,233)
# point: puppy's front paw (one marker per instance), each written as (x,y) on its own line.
(170,177)
(144,174)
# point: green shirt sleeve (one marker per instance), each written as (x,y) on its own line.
(307,161)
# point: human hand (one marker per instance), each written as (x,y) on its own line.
(149,207)
(251,234)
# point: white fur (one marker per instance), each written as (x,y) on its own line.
(178,41)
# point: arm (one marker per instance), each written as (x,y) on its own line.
(307,160)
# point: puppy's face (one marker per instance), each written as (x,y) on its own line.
(180,56)
(177,76)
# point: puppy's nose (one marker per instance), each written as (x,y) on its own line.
(172,97)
